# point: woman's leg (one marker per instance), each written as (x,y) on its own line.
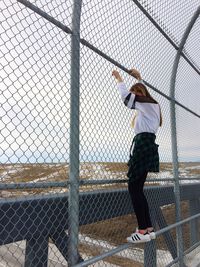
(139,202)
(147,214)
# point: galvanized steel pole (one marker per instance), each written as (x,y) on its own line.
(74,137)
(174,135)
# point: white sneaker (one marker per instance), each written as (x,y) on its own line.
(152,233)
(139,238)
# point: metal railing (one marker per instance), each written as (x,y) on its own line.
(55,224)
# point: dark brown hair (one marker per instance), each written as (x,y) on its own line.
(141,88)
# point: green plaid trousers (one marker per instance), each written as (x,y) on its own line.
(144,157)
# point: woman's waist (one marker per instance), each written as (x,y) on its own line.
(145,134)
(145,137)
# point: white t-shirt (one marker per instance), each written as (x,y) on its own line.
(148,117)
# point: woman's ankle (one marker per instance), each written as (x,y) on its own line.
(150,229)
(143,231)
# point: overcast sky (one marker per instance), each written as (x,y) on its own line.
(35,79)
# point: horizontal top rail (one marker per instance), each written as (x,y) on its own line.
(85,182)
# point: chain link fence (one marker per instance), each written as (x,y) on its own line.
(65,134)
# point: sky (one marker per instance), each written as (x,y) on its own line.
(35,79)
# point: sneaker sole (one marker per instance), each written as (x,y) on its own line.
(130,240)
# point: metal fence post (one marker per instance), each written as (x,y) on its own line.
(175,171)
(74,137)
(174,135)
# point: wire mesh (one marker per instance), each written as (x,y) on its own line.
(191,45)
(170,13)
(38,185)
